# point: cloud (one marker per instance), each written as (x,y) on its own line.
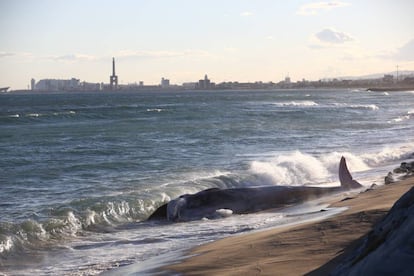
(128,54)
(332,36)
(246,13)
(316,7)
(148,54)
(73,58)
(160,54)
(406,52)
(6,54)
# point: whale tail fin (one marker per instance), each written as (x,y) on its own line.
(345,177)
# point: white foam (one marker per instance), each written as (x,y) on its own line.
(292,168)
(33,115)
(297,168)
(355,163)
(118,212)
(388,154)
(357,106)
(154,110)
(400,119)
(90,218)
(365,106)
(296,103)
(404,117)
(74,224)
(6,245)
(70,112)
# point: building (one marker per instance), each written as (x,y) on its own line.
(165,83)
(205,83)
(189,85)
(57,85)
(388,78)
(32,84)
(287,80)
(90,86)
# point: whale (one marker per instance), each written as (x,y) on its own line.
(213,202)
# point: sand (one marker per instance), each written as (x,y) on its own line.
(311,248)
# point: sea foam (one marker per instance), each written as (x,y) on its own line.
(296,103)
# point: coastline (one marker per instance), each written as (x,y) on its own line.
(312,248)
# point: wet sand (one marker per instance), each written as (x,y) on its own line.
(312,248)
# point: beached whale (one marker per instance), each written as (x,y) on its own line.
(209,203)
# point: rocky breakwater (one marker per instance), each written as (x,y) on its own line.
(406,169)
(388,249)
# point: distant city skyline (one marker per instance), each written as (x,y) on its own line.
(234,40)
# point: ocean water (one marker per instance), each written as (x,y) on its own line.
(81,172)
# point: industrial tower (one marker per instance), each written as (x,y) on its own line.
(113,79)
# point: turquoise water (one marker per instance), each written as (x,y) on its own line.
(81,172)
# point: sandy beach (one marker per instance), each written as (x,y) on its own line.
(311,248)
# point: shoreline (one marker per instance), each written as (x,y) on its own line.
(312,248)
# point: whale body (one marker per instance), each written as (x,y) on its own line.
(206,203)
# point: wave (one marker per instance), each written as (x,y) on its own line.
(155,109)
(364,106)
(307,103)
(298,168)
(69,222)
(29,117)
(100,214)
(107,213)
(402,118)
(296,103)
(13,116)
(357,106)
(389,155)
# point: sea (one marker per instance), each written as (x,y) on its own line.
(81,172)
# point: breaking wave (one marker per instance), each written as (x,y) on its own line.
(103,214)
(402,118)
(357,106)
(296,103)
(298,168)
(307,103)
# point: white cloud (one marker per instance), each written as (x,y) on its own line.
(161,54)
(316,7)
(246,13)
(406,52)
(73,58)
(332,36)
(6,54)
(147,54)
(123,54)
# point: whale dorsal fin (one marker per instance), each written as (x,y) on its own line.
(345,177)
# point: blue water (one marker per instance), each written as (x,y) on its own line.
(81,172)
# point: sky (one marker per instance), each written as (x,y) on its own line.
(182,40)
